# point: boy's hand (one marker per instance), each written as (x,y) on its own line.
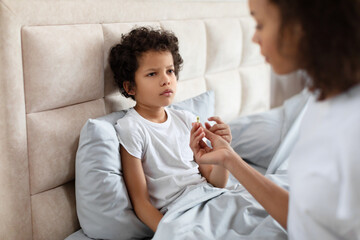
(197,144)
(220,128)
(218,154)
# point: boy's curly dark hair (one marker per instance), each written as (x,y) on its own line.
(124,56)
(330,44)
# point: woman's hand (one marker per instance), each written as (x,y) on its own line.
(218,154)
(220,128)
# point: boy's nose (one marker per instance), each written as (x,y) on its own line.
(165,80)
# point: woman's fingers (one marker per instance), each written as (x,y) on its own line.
(210,135)
(219,128)
(204,146)
(216,127)
(220,125)
(207,125)
(216,119)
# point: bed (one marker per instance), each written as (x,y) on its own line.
(55,82)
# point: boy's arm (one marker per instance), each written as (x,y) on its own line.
(136,186)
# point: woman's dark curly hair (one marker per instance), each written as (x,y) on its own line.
(330,45)
(124,56)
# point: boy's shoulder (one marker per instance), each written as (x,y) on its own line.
(128,119)
(182,114)
(128,114)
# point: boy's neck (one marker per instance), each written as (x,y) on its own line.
(157,115)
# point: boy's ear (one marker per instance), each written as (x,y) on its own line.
(128,88)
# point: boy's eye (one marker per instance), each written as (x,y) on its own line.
(171,71)
(151,74)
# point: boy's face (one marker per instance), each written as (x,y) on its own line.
(155,79)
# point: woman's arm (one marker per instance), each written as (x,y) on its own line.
(220,128)
(136,186)
(214,174)
(272,197)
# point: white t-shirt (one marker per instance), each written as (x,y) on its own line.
(164,150)
(324,171)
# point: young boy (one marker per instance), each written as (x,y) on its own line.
(156,158)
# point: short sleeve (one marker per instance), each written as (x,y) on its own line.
(131,136)
(188,117)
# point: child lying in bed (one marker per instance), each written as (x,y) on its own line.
(157,160)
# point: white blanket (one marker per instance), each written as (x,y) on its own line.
(205,212)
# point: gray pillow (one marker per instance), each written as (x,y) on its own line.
(103,206)
(257,137)
(202,105)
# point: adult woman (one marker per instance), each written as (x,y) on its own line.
(323,38)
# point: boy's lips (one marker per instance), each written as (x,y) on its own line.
(167,92)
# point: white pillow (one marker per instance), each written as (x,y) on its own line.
(103,206)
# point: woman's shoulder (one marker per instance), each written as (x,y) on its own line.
(347,118)
(347,105)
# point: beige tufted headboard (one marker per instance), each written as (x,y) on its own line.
(54,75)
